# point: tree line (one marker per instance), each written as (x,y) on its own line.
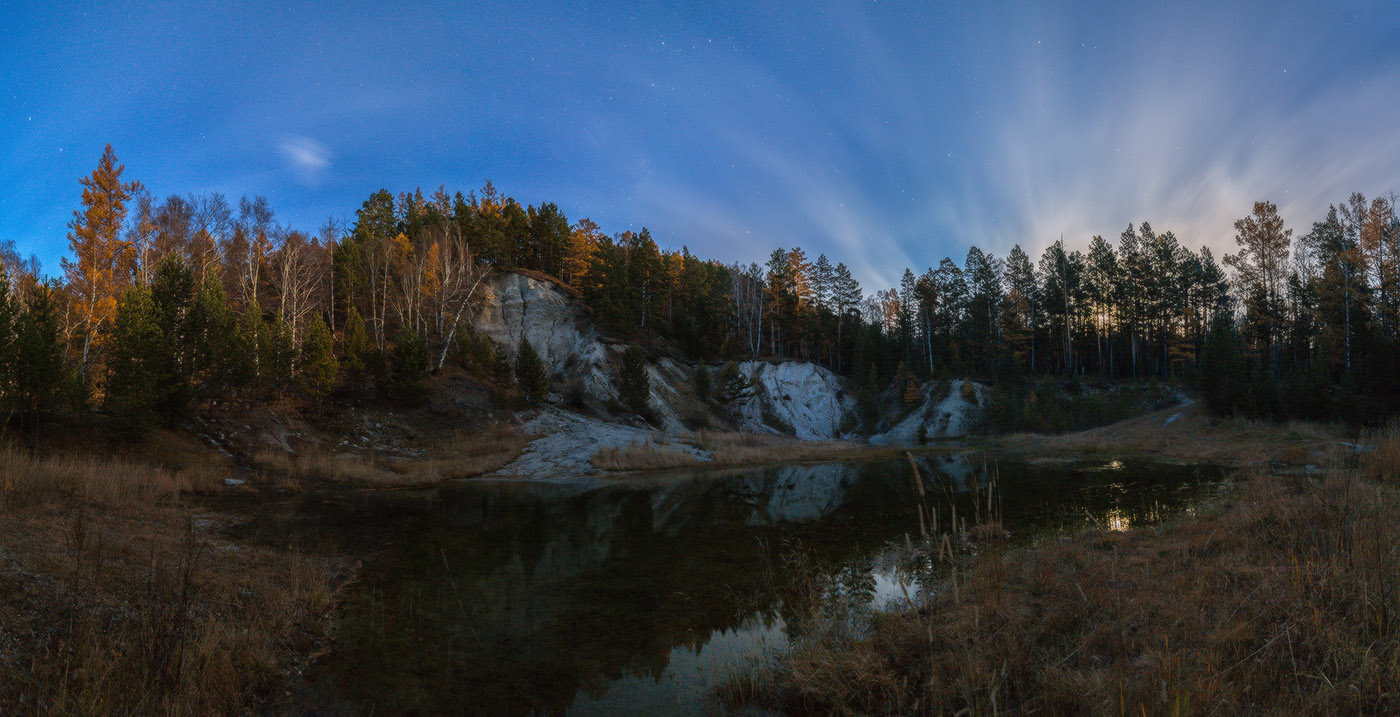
(164,306)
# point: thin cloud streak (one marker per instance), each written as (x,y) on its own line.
(1187,146)
(306,157)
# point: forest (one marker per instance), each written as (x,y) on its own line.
(164,306)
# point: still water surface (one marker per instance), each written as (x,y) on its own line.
(637,595)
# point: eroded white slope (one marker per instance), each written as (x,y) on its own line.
(946,415)
(809,399)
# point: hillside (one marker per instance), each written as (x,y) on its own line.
(471,426)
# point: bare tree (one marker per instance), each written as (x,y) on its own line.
(460,274)
(297,267)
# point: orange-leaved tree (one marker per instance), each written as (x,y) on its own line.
(98,248)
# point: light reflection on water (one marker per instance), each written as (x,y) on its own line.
(636,596)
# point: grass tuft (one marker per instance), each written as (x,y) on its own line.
(640,457)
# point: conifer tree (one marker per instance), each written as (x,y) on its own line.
(172,294)
(277,355)
(133,373)
(731,385)
(1260,267)
(1223,375)
(320,372)
(408,378)
(44,382)
(9,325)
(95,240)
(531,376)
(354,344)
(503,368)
(700,381)
(220,352)
(633,380)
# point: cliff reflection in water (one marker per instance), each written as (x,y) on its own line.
(519,598)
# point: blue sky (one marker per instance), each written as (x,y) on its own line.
(883,134)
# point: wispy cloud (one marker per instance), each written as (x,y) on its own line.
(1185,140)
(306,157)
(1189,159)
(1040,127)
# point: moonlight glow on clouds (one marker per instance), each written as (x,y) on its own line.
(884,134)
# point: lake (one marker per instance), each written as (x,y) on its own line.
(637,595)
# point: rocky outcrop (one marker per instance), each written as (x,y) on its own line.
(517,307)
(582,365)
(797,397)
(940,414)
(794,397)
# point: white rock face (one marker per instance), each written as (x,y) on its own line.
(946,416)
(808,398)
(520,307)
(568,440)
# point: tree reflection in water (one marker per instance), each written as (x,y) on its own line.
(640,594)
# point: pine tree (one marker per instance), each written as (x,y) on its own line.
(1260,269)
(220,359)
(1023,299)
(984,308)
(731,385)
(133,370)
(503,369)
(633,381)
(44,382)
(408,377)
(172,294)
(9,325)
(320,372)
(277,355)
(1223,375)
(530,373)
(700,381)
(354,344)
(1100,274)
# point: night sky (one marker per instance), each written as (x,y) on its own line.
(884,134)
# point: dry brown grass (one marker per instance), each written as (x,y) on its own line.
(117,598)
(729,448)
(641,457)
(476,452)
(1193,436)
(464,454)
(26,480)
(1382,457)
(1285,598)
(734,448)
